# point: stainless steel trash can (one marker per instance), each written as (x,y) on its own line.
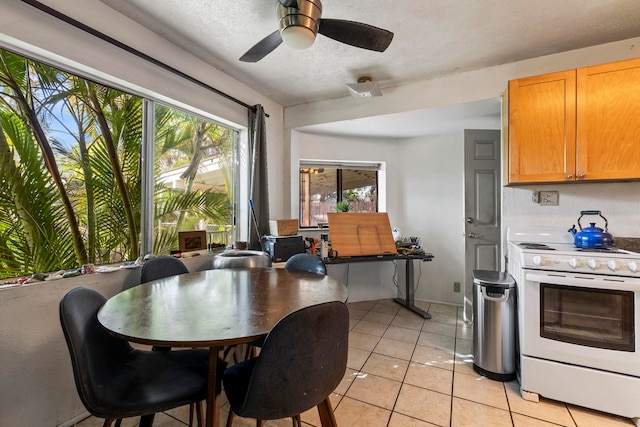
(494,324)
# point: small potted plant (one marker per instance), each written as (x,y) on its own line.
(342,206)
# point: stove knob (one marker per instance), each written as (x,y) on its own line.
(633,266)
(538,260)
(574,263)
(593,264)
(613,266)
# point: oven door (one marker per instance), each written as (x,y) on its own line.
(584,320)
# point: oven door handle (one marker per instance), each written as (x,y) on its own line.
(586,282)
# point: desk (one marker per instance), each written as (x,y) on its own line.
(215,308)
(408,300)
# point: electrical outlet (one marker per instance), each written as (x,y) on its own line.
(535,197)
(549,198)
(456,286)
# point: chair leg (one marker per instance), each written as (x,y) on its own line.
(147,420)
(118,422)
(230,418)
(259,423)
(191,414)
(296,421)
(108,421)
(325,410)
(199,414)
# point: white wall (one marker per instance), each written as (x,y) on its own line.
(619,203)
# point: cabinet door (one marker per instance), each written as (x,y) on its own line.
(542,128)
(608,129)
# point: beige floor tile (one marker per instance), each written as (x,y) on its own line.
(387,306)
(547,410)
(480,389)
(424,305)
(425,405)
(371,328)
(524,421)
(385,366)
(99,422)
(447,319)
(356,358)
(465,413)
(405,312)
(436,379)
(464,346)
(464,365)
(355,313)
(393,348)
(353,413)
(363,341)
(362,305)
(443,308)
(437,341)
(589,418)
(382,318)
(311,417)
(348,379)
(439,328)
(402,334)
(464,331)
(399,420)
(352,323)
(375,390)
(408,322)
(435,357)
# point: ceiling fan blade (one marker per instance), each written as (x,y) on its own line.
(262,48)
(289,3)
(356,34)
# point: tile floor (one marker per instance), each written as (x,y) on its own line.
(404,371)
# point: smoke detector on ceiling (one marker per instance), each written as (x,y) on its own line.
(365,88)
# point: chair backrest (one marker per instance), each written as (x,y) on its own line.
(95,354)
(161,267)
(306,262)
(303,360)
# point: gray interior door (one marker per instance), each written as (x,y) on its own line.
(481,206)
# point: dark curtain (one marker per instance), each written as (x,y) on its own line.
(258,189)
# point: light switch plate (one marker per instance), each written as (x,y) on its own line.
(549,198)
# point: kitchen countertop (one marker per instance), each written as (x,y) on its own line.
(627,243)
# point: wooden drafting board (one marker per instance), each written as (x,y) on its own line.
(360,234)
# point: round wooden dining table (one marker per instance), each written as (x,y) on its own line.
(215,308)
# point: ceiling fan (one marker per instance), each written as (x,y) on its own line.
(300,21)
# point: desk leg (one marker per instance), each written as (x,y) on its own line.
(213,400)
(408,301)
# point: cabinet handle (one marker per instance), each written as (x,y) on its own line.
(569,176)
(582,176)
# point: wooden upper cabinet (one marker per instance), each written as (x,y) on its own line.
(577,125)
(542,126)
(608,121)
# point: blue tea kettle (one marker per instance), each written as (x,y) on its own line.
(591,237)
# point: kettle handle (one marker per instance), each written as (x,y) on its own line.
(582,213)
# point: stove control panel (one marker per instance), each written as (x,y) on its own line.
(606,264)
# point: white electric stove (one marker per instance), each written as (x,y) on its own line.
(578,321)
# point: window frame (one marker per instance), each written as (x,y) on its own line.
(339,166)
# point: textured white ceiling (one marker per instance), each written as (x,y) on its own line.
(432,38)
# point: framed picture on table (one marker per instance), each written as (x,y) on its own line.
(192,240)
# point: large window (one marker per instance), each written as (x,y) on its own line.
(325,186)
(71,175)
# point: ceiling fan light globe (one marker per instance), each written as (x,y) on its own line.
(298,37)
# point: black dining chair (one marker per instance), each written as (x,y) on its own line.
(306,262)
(161,267)
(303,360)
(298,262)
(116,381)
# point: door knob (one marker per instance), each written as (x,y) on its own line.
(469,220)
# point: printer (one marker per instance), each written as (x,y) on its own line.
(281,248)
